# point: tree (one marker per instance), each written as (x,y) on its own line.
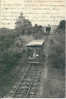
(62,25)
(48,29)
(38,31)
(57,48)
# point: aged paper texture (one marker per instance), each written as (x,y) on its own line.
(32,48)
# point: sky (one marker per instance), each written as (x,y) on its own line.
(42,12)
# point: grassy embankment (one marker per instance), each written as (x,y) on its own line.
(55,83)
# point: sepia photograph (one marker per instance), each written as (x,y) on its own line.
(32,49)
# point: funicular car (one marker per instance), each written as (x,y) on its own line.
(35,51)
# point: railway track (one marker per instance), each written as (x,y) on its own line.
(28,86)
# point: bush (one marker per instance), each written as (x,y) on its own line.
(57,49)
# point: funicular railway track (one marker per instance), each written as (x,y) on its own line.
(28,86)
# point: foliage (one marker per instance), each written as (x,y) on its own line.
(57,48)
(8,56)
(62,25)
(38,31)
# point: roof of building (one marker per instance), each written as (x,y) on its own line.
(35,43)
